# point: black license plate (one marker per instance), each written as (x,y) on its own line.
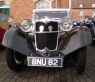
(45,62)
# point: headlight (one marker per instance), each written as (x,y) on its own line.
(26,25)
(66,24)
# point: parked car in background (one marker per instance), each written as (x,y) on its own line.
(4,15)
(5,24)
(2,31)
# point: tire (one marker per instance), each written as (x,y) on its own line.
(80,60)
(93,43)
(15,60)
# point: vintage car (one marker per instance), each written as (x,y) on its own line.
(45,40)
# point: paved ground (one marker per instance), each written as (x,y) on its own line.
(66,74)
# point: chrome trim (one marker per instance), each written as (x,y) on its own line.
(40,10)
(46,49)
(46,58)
(46,32)
(34,21)
(54,9)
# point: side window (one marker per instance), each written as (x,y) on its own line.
(5,11)
(40,4)
(81,13)
(93,11)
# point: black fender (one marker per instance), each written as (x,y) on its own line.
(16,42)
(80,39)
(19,43)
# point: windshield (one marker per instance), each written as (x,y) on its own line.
(51,14)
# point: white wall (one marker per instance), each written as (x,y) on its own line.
(7,1)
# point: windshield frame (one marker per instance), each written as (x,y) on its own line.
(51,14)
(48,10)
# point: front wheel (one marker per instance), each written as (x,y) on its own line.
(80,60)
(15,60)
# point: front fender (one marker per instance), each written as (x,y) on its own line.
(16,42)
(80,39)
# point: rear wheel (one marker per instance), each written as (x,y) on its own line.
(15,60)
(80,59)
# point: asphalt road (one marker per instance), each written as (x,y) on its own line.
(65,74)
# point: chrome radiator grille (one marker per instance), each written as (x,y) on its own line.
(46,40)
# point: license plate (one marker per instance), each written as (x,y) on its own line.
(45,62)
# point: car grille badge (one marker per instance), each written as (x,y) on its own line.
(50,28)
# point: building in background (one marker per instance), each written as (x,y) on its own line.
(82,8)
(4,7)
(6,2)
(20,9)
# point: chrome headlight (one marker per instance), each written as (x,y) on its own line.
(26,25)
(66,24)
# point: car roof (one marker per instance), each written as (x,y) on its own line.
(38,10)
